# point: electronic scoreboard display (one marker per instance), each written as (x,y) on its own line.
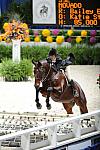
(78,12)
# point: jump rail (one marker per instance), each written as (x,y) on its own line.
(55,138)
(53,44)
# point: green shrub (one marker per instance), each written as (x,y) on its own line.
(13,71)
(5,52)
(26,69)
(85,55)
(35,52)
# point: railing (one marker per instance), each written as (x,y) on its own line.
(53,44)
(57,133)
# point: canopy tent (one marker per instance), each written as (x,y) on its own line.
(4,4)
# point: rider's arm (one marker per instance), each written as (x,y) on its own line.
(49,60)
(66,62)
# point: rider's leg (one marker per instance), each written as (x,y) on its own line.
(75,92)
(71,82)
(54,67)
(67,71)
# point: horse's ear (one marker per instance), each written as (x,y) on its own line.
(33,62)
(39,63)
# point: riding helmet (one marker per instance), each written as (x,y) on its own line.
(53,52)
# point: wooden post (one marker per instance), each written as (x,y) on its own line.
(0,145)
(52,135)
(77,128)
(97,121)
(25,141)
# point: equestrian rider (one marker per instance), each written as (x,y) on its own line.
(57,63)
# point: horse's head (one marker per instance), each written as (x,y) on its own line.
(41,72)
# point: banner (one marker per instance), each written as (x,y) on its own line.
(44,12)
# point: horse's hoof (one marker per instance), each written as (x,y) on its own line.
(39,106)
(48,106)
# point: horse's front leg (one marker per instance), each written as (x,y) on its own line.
(49,90)
(38,105)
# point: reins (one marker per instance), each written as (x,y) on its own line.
(65,75)
(45,78)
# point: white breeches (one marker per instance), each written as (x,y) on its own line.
(68,72)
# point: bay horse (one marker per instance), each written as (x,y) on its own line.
(55,85)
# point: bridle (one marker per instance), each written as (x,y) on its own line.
(45,78)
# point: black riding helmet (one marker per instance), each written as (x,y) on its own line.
(53,52)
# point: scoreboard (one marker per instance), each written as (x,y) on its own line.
(62,13)
(78,12)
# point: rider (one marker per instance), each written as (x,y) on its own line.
(57,63)
(54,59)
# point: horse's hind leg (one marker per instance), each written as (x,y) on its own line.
(84,109)
(68,108)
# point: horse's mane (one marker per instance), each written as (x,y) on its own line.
(43,61)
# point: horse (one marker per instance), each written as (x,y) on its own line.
(55,85)
(44,11)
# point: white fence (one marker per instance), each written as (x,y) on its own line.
(55,137)
(53,44)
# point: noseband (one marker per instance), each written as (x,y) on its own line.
(41,74)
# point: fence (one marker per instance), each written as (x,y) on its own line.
(58,133)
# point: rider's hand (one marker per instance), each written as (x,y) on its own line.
(49,60)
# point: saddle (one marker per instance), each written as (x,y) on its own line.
(70,92)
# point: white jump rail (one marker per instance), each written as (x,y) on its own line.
(53,44)
(52,132)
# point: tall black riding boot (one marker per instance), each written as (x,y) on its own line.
(75,92)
